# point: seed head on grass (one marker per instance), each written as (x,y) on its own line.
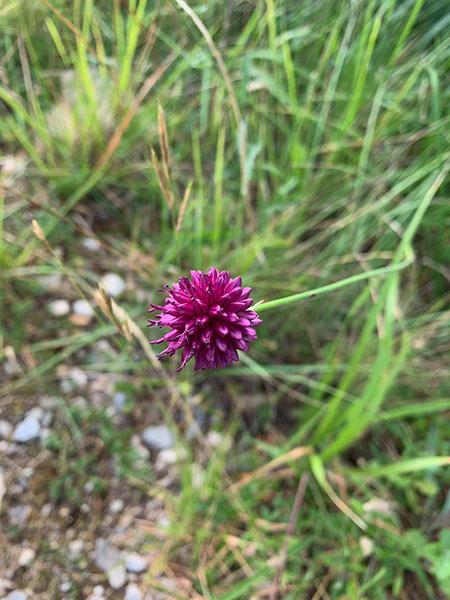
(209,317)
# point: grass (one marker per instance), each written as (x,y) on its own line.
(304,145)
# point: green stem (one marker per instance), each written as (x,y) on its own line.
(339,284)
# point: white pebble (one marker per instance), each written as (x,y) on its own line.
(82,308)
(113,284)
(65,586)
(47,418)
(59,308)
(106,556)
(214,438)
(36,413)
(366,545)
(117,576)
(169,457)
(119,400)
(6,429)
(116,505)
(97,592)
(158,437)
(17,595)
(66,386)
(133,592)
(78,377)
(26,557)
(135,563)
(378,505)
(29,429)
(76,548)
(5,584)
(91,244)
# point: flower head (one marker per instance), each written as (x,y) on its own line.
(209,317)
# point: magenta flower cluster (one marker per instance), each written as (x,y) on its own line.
(209,317)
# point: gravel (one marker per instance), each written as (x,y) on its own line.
(59,308)
(26,557)
(78,377)
(117,576)
(136,563)
(6,429)
(91,244)
(76,548)
(119,400)
(106,556)
(17,595)
(113,284)
(29,429)
(116,505)
(82,308)
(158,437)
(133,592)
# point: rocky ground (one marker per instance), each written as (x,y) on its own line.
(82,515)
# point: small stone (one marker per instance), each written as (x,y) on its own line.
(91,244)
(116,505)
(113,284)
(65,586)
(89,486)
(133,592)
(117,576)
(17,595)
(82,308)
(66,386)
(5,447)
(78,377)
(46,510)
(135,563)
(214,438)
(98,591)
(119,400)
(6,429)
(26,557)
(36,413)
(105,555)
(169,457)
(59,308)
(5,584)
(366,545)
(164,521)
(378,505)
(158,437)
(47,419)
(29,429)
(76,547)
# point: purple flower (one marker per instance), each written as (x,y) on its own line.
(209,318)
